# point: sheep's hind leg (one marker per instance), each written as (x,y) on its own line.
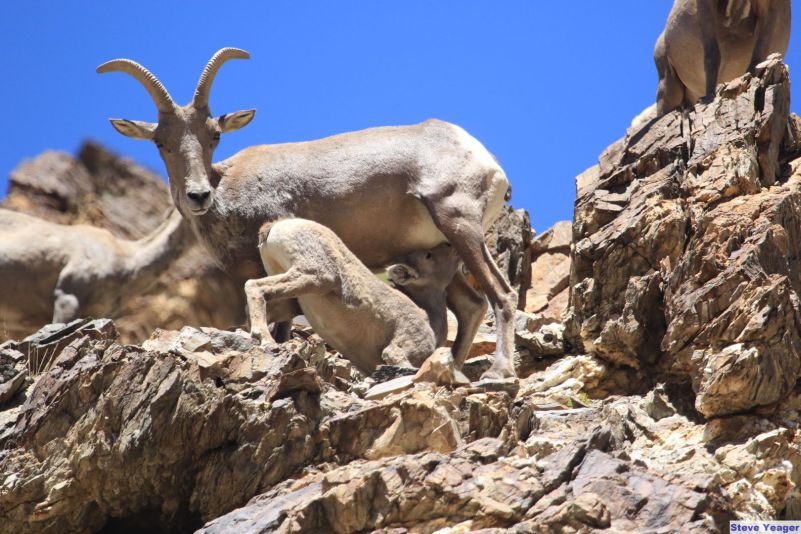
(463,230)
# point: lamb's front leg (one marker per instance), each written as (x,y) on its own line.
(291,284)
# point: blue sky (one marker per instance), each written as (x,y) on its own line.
(546,86)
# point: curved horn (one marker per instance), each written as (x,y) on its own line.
(203,89)
(157,91)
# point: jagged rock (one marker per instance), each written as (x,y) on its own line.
(436,369)
(634,499)
(509,240)
(428,490)
(685,259)
(121,435)
(114,193)
(548,340)
(475,366)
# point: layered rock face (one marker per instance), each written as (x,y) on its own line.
(103,190)
(202,429)
(686,260)
(194,424)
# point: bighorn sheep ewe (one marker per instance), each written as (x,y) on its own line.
(54,272)
(364,319)
(732,37)
(423,276)
(384,191)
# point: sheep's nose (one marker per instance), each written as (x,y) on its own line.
(198,197)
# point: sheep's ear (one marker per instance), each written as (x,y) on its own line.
(135,129)
(234,121)
(401,274)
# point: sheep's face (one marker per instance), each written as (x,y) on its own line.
(186,138)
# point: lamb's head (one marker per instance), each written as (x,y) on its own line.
(429,269)
(186,136)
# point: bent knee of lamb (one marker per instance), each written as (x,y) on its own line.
(364,319)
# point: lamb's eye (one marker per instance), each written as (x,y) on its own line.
(159,145)
(216,136)
(429,256)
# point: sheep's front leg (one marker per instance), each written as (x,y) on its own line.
(291,284)
(65,306)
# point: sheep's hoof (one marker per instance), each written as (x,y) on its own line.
(509,385)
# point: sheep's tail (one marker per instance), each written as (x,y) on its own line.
(264,231)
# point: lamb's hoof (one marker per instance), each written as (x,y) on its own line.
(509,385)
(384,389)
(384,373)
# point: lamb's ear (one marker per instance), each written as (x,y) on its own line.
(401,274)
(234,121)
(135,129)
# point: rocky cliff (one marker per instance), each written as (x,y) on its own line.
(658,357)
(687,239)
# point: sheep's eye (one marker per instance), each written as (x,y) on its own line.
(429,256)
(216,136)
(159,145)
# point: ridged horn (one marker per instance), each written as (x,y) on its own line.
(157,91)
(201,98)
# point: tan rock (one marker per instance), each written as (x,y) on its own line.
(550,273)
(555,239)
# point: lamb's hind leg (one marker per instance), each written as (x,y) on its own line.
(291,284)
(462,227)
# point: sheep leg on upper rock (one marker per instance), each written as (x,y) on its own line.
(766,30)
(469,306)
(708,21)
(670,92)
